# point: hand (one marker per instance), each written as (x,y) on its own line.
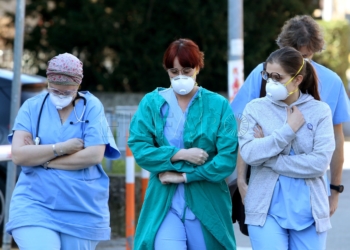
(258,132)
(333,202)
(196,156)
(28,140)
(70,146)
(295,118)
(171,177)
(242,188)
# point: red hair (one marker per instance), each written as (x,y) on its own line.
(186,51)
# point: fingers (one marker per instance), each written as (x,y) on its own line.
(197,156)
(295,108)
(203,156)
(161,177)
(80,141)
(288,110)
(28,141)
(258,132)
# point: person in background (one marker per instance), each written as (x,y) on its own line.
(304,34)
(289,144)
(59,138)
(186,137)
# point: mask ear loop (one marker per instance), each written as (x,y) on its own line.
(291,79)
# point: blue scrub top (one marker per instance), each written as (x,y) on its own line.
(290,204)
(71,202)
(173,132)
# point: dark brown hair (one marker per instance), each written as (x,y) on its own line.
(291,60)
(301,31)
(186,51)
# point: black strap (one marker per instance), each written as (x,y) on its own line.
(263,84)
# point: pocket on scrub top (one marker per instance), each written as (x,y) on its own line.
(86,174)
(92,173)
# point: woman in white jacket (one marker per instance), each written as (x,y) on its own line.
(289,145)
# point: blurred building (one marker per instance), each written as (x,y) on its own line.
(336,9)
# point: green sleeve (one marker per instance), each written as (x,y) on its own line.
(224,163)
(142,142)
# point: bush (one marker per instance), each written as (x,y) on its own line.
(335,56)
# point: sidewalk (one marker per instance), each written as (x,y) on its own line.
(114,244)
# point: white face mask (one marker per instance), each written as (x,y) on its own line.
(276,90)
(182,84)
(60,101)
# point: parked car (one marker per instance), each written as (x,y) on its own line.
(31,86)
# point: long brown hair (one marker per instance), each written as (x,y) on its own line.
(291,60)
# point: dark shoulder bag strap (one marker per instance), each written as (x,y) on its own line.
(263,85)
(262,94)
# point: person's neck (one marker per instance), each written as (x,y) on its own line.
(292,98)
(187,97)
(184,100)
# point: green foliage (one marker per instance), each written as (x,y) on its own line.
(335,56)
(121,43)
(118,167)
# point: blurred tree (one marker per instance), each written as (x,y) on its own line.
(262,24)
(335,56)
(121,43)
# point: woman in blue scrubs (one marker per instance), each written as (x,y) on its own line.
(61,197)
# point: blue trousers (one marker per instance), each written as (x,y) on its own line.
(273,237)
(40,238)
(176,233)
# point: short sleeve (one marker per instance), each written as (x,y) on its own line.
(97,130)
(22,121)
(332,92)
(342,108)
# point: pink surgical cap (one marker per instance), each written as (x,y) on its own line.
(65,69)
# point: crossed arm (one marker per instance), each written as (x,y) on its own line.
(73,155)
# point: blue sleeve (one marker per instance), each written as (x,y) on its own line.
(342,108)
(249,90)
(97,130)
(22,121)
(332,92)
